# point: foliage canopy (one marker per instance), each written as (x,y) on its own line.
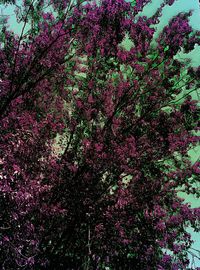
(107,197)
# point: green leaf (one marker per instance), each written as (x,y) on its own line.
(166,48)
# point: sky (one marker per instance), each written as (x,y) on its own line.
(168,13)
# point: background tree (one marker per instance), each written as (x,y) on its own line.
(108,198)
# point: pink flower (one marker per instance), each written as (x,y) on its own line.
(98,147)
(86,143)
(160,226)
(16,168)
(90,99)
(79,103)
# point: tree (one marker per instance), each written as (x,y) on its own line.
(108,197)
(7,2)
